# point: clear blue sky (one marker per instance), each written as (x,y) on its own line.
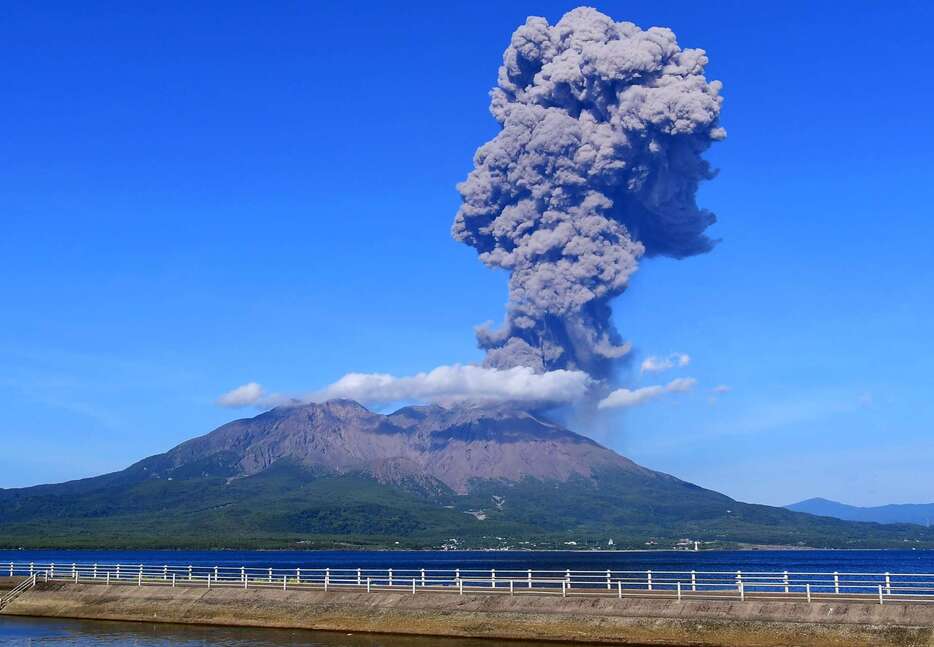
(194,198)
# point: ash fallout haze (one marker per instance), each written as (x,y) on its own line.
(210,211)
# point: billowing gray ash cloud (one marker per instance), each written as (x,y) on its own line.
(597,165)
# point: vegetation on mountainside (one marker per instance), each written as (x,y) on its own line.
(288,506)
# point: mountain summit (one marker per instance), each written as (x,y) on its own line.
(454,446)
(337,474)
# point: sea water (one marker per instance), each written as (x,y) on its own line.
(822,561)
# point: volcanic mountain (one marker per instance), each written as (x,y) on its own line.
(338,474)
(447,448)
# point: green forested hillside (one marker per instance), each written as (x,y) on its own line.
(289,505)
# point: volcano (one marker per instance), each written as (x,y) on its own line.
(336,474)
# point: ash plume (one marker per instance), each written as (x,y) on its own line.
(597,164)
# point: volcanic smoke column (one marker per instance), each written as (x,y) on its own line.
(597,164)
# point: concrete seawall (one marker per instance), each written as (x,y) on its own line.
(629,621)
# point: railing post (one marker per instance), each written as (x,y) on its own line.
(11,569)
(189,572)
(881,600)
(493,578)
(693,581)
(807,588)
(564,590)
(246,582)
(139,581)
(368,584)
(679,591)
(51,569)
(888,584)
(118,571)
(76,576)
(285,582)
(836,583)
(327,578)
(609,584)
(785,580)
(165,571)
(567,577)
(739,577)
(742,592)
(619,587)
(457,574)
(243,574)
(298,576)
(460,586)
(359,577)
(413,586)
(390,577)
(141,573)
(173,580)
(270,575)
(530,578)
(648,579)
(423,577)
(209,579)
(510,587)
(95,571)
(108,578)
(74,569)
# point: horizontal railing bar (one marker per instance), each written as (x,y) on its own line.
(908,583)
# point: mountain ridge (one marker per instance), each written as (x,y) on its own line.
(917,513)
(452,445)
(338,475)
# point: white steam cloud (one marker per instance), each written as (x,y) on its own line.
(624,398)
(442,384)
(461,382)
(655,364)
(242,396)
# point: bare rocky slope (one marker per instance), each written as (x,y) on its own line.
(455,446)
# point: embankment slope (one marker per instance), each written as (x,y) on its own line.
(632,621)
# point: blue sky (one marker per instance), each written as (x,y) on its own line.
(195,198)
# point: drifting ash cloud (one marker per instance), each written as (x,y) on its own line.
(600,153)
(596,166)
(625,398)
(443,384)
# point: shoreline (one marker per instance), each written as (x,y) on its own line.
(753,549)
(593,620)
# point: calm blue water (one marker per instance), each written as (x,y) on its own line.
(858,561)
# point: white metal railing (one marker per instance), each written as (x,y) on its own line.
(11,595)
(784,585)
